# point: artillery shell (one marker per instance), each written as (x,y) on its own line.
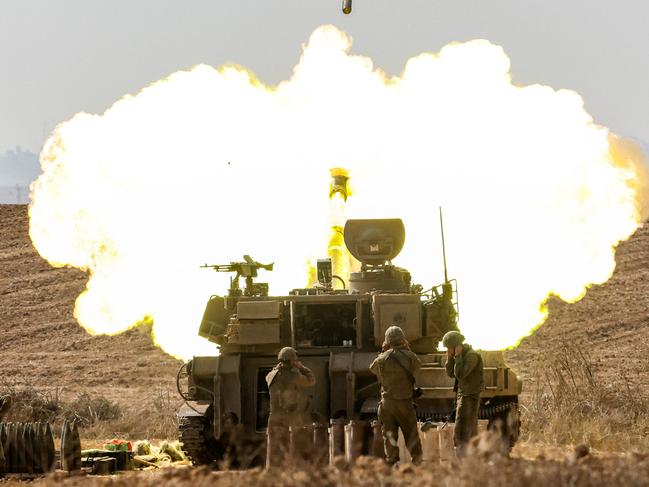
(27,445)
(320,443)
(3,445)
(376,446)
(65,446)
(336,439)
(356,433)
(76,447)
(3,461)
(20,448)
(12,448)
(36,447)
(50,449)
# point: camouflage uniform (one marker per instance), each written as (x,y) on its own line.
(396,409)
(288,405)
(467,370)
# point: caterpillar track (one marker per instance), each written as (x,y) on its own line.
(195,443)
(504,416)
(485,412)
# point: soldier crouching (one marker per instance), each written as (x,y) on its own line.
(288,403)
(394,368)
(464,365)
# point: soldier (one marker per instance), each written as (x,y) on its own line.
(287,402)
(394,368)
(464,365)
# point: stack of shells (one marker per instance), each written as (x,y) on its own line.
(26,448)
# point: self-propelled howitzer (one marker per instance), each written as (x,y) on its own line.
(337,334)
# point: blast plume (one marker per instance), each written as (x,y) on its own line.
(210,164)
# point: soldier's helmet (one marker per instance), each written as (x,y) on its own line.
(287,354)
(394,335)
(453,339)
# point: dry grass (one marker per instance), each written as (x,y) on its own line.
(630,471)
(569,404)
(97,416)
(25,404)
(155,419)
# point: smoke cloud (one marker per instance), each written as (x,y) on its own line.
(211,163)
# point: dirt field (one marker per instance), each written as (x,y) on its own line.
(42,346)
(611,324)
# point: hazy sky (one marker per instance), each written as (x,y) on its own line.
(59,57)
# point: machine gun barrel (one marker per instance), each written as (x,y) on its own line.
(219,267)
(247,269)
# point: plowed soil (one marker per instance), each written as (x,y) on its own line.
(611,324)
(42,345)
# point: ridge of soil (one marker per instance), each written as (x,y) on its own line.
(41,344)
(610,324)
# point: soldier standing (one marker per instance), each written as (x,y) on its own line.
(394,368)
(288,403)
(464,365)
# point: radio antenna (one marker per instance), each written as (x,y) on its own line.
(441,224)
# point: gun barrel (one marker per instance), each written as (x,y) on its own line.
(338,182)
